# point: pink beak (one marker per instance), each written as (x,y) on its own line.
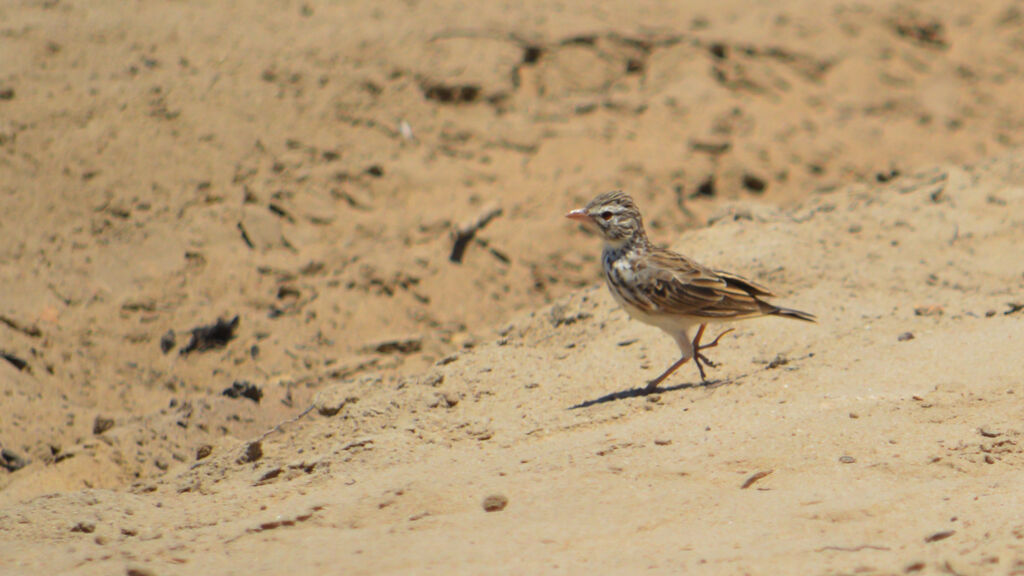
(579,215)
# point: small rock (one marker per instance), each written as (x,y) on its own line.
(754,478)
(495,503)
(939,536)
(433,379)
(988,432)
(85,527)
(333,400)
(559,316)
(886,176)
(253,452)
(204,451)
(905,336)
(754,183)
(447,359)
(213,336)
(662,441)
(10,461)
(705,189)
(443,399)
(407,345)
(15,361)
(167,341)
(847,459)
(243,389)
(102,424)
(932,310)
(927,30)
(269,475)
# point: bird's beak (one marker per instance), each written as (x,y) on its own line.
(579,215)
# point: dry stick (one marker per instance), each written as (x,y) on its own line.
(282,424)
(466,231)
(28,330)
(754,478)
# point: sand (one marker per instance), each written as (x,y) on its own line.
(387,403)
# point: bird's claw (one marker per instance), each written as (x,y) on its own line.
(699,358)
(713,343)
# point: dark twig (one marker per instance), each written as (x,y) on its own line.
(467,230)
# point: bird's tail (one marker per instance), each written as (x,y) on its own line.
(796,314)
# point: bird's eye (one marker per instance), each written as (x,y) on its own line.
(606,215)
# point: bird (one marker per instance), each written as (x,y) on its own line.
(666,289)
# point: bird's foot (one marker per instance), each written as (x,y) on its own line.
(697,346)
(700,359)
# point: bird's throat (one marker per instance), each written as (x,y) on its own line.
(635,243)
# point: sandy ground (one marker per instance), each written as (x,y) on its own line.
(306,167)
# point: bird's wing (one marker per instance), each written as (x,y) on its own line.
(748,286)
(677,284)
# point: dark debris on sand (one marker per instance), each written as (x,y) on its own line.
(243,389)
(211,336)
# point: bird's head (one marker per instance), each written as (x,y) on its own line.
(614,215)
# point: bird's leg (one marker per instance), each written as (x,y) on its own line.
(654,383)
(698,358)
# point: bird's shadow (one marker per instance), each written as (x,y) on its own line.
(645,391)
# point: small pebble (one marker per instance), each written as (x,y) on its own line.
(85,527)
(253,452)
(939,536)
(101,424)
(905,336)
(167,341)
(495,503)
(988,432)
(754,478)
(203,451)
(847,459)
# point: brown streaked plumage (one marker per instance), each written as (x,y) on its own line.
(666,289)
